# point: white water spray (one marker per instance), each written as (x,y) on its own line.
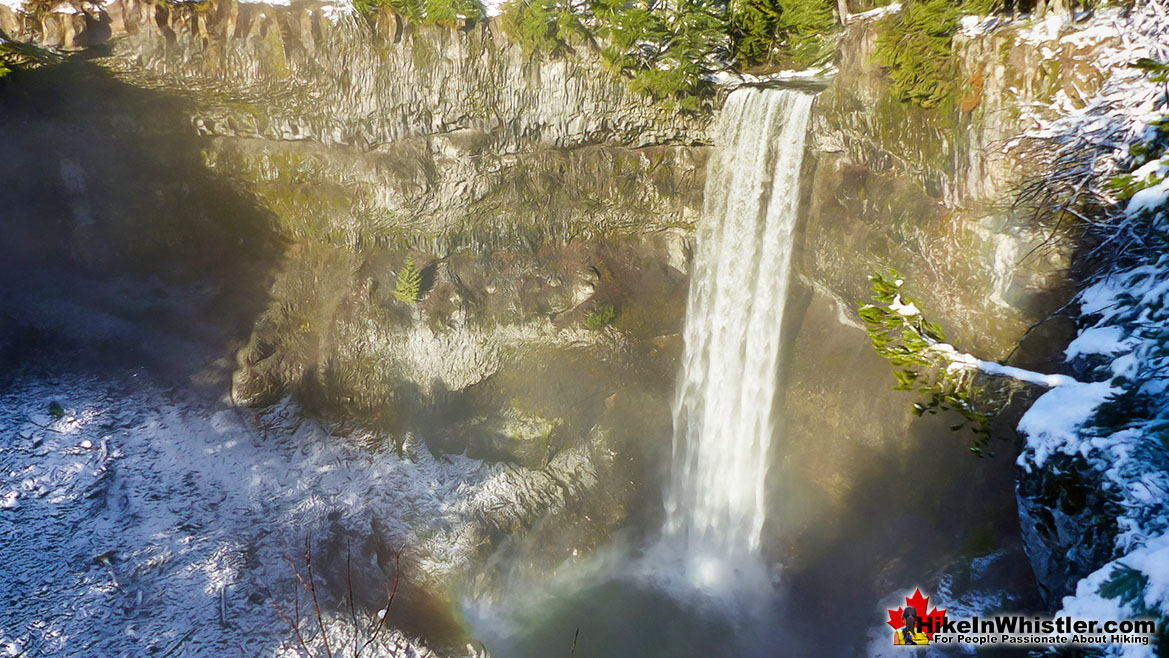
(723,411)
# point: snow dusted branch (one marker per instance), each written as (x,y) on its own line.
(1073,159)
(923,362)
(963,361)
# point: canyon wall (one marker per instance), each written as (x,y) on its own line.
(305,154)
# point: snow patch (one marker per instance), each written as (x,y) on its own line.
(874,14)
(1053,422)
(493,7)
(1148,199)
(1043,31)
(1097,340)
(972,26)
(907,310)
(1023,375)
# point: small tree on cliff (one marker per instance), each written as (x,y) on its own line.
(409,282)
(948,379)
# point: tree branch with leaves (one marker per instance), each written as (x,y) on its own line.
(948,380)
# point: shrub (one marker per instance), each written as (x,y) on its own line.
(15,55)
(601,316)
(902,336)
(665,55)
(409,282)
(915,46)
(548,26)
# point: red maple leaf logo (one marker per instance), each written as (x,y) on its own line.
(930,622)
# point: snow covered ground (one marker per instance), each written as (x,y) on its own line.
(148,519)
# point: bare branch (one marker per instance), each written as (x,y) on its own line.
(349,585)
(390,593)
(308,563)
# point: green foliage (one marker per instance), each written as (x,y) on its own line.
(754,27)
(1153,146)
(1126,185)
(899,333)
(1126,585)
(915,46)
(427,12)
(1130,587)
(664,54)
(56,410)
(548,26)
(409,282)
(797,31)
(602,316)
(1154,70)
(15,55)
(668,51)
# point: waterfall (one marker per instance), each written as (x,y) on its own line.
(723,410)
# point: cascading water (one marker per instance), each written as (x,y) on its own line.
(723,411)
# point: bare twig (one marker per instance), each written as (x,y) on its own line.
(309,585)
(44,427)
(349,585)
(176,645)
(294,627)
(308,563)
(390,593)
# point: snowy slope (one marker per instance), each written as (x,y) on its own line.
(146,519)
(1115,420)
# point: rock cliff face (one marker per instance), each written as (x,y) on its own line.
(314,72)
(305,155)
(359,142)
(930,193)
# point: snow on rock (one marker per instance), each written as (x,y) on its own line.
(972,26)
(733,80)
(174,526)
(1110,427)
(874,14)
(493,7)
(1044,30)
(1053,422)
